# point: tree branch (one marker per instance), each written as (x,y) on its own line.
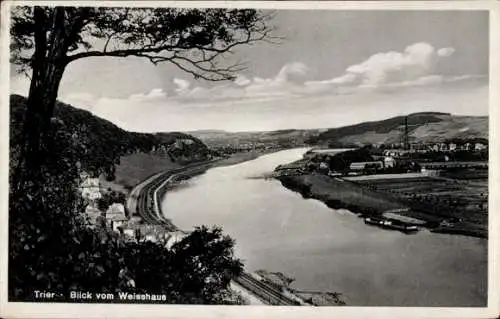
(200,67)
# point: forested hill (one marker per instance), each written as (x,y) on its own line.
(426,127)
(103,143)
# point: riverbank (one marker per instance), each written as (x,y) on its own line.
(136,168)
(153,190)
(241,157)
(338,193)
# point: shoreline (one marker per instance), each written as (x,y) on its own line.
(165,178)
(342,194)
(200,168)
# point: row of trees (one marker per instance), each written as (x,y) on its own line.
(49,244)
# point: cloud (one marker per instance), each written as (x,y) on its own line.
(411,71)
(288,81)
(182,85)
(292,72)
(154,94)
(82,100)
(415,66)
(242,80)
(445,52)
(418,60)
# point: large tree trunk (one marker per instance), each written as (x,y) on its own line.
(49,62)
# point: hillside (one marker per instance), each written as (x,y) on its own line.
(285,138)
(429,127)
(104,143)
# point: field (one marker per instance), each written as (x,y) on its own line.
(336,193)
(444,204)
(462,199)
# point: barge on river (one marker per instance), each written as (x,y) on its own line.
(389,224)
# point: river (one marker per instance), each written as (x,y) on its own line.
(325,249)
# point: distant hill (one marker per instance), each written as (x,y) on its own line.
(428,127)
(105,142)
(285,138)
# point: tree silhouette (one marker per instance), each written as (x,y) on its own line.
(50,246)
(46,40)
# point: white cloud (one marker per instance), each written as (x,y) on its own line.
(182,85)
(242,80)
(422,81)
(415,66)
(82,100)
(292,72)
(445,52)
(288,81)
(400,73)
(311,110)
(154,94)
(417,60)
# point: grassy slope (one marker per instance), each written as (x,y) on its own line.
(423,127)
(106,141)
(136,167)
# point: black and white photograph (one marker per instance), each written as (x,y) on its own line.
(247,154)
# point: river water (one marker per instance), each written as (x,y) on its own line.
(329,250)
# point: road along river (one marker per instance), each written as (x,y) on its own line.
(325,249)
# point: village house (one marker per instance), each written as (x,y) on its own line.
(118,221)
(389,161)
(90,187)
(323,168)
(115,209)
(480,146)
(396,152)
(130,232)
(151,237)
(116,216)
(92,213)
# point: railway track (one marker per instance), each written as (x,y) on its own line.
(265,292)
(152,215)
(146,196)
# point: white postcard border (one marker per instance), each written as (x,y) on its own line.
(64,310)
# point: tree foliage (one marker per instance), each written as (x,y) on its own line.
(50,245)
(101,142)
(46,39)
(194,40)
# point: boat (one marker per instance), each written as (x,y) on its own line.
(374,221)
(400,227)
(387,224)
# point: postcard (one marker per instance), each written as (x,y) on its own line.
(249,159)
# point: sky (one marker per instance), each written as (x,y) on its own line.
(333,68)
